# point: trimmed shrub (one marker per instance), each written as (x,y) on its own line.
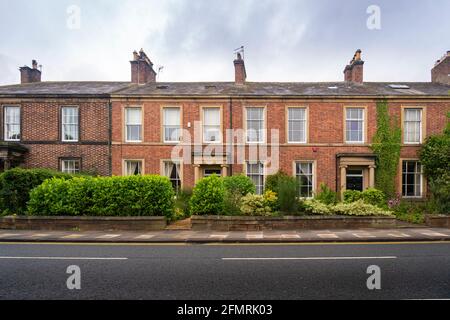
(287,195)
(116,196)
(375,197)
(326,195)
(256,205)
(16,184)
(208,196)
(273,181)
(359,208)
(182,209)
(351,196)
(240,184)
(316,207)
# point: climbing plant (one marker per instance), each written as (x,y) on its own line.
(386,146)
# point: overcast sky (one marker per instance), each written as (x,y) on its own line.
(285,40)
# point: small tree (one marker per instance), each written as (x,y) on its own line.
(435,158)
(386,146)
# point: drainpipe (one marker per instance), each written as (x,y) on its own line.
(230,147)
(110,137)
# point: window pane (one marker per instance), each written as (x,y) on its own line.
(255,171)
(133,116)
(133,168)
(411,179)
(12,123)
(172,171)
(70,166)
(412,125)
(70,125)
(255,124)
(134,133)
(297,125)
(305,178)
(133,124)
(172,124)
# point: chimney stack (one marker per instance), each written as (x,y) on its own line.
(354,72)
(441,71)
(240,75)
(142,69)
(30,75)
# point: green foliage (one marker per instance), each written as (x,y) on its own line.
(16,184)
(116,196)
(352,196)
(386,146)
(317,207)
(374,197)
(370,196)
(326,195)
(359,208)
(411,212)
(287,195)
(256,205)
(208,196)
(240,184)
(435,158)
(182,199)
(273,181)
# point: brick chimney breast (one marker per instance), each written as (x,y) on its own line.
(142,69)
(30,75)
(354,72)
(441,71)
(240,74)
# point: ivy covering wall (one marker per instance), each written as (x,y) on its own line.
(386,146)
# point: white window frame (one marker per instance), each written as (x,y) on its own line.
(6,135)
(363,129)
(70,171)
(313,176)
(305,126)
(165,125)
(77,124)
(421,184)
(179,165)
(263,174)
(129,161)
(420,126)
(133,124)
(263,128)
(216,126)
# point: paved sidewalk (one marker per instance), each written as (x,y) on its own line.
(360,235)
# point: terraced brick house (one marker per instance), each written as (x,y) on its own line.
(318,132)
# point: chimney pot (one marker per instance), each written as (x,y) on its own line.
(240,74)
(30,75)
(354,72)
(142,69)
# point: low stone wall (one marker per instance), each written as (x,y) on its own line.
(84,223)
(438,221)
(226,223)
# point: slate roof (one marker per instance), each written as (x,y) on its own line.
(225,89)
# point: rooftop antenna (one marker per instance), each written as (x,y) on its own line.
(160,69)
(240,50)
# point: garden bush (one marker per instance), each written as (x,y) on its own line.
(370,196)
(208,196)
(116,196)
(359,208)
(16,184)
(182,209)
(240,184)
(257,205)
(351,196)
(273,181)
(287,195)
(326,195)
(316,207)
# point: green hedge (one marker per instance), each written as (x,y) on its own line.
(371,196)
(208,196)
(16,184)
(116,196)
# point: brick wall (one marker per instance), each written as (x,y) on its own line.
(41,133)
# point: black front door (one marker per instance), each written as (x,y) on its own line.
(355,180)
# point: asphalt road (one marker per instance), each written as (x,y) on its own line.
(234,272)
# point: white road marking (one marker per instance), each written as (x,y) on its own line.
(327,236)
(59,258)
(361,235)
(40,235)
(109,236)
(255,236)
(290,236)
(434,234)
(145,236)
(309,258)
(399,235)
(73,236)
(220,236)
